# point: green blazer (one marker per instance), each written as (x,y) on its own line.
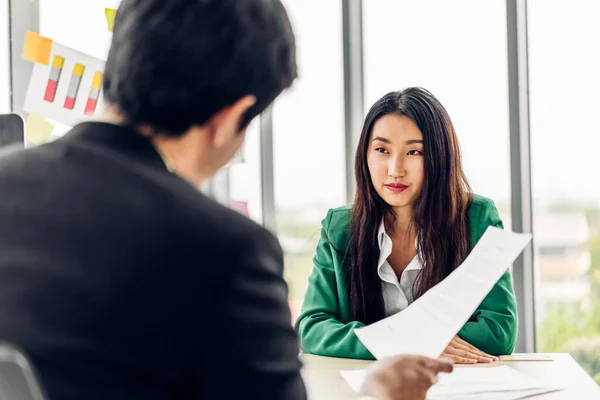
(324,324)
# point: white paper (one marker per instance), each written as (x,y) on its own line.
(497,382)
(34,101)
(354,378)
(504,380)
(429,324)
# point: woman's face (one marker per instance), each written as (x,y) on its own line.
(395,160)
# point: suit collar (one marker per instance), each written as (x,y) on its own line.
(117,138)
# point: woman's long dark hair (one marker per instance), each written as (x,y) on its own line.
(440,211)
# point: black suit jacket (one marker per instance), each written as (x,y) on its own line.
(120,280)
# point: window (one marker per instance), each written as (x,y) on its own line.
(552,251)
(564,83)
(244,176)
(308,129)
(4,59)
(433,44)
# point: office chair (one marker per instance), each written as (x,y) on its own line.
(12,130)
(17,378)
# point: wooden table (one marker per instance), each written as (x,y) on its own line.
(324,382)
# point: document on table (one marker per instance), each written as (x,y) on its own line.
(493,382)
(429,324)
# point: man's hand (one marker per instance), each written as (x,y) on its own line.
(461,352)
(403,377)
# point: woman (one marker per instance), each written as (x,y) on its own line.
(413,221)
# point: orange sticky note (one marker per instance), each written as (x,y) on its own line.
(110,18)
(37,129)
(37,48)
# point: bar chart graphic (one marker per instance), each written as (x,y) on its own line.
(66,85)
(92,100)
(54,78)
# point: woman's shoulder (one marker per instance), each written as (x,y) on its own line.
(482,213)
(481,203)
(337,226)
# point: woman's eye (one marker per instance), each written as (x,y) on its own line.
(381,150)
(414,153)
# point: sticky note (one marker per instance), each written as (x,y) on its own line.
(110,18)
(37,48)
(37,129)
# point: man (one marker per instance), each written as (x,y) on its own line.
(118,278)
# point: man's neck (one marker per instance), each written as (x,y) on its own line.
(174,151)
(176,155)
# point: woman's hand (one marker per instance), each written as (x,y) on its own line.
(462,352)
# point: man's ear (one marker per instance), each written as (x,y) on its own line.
(225,124)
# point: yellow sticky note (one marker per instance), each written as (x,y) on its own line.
(37,48)
(110,17)
(37,129)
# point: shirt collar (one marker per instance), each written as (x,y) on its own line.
(385,248)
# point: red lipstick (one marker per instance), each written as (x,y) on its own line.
(396,187)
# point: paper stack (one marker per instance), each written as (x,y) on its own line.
(488,382)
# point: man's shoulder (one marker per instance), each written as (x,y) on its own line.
(213,220)
(15,153)
(178,207)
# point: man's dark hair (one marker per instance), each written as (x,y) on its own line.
(175,63)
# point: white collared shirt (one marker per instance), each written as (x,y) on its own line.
(397,294)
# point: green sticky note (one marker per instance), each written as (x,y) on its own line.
(110,18)
(37,129)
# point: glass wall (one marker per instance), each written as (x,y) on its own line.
(565,138)
(244,176)
(4,59)
(431,43)
(308,130)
